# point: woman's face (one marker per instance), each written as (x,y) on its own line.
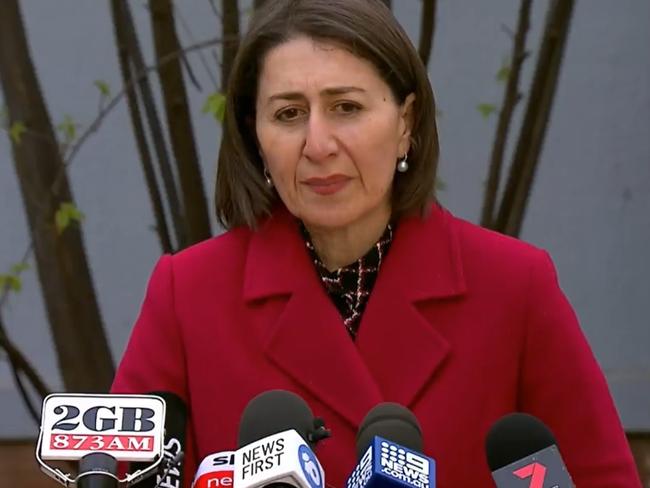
(330,133)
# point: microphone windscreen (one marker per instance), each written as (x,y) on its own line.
(273,412)
(391,421)
(515,437)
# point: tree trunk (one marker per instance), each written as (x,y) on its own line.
(510,99)
(82,350)
(230,29)
(122,16)
(427,28)
(179,122)
(128,75)
(538,109)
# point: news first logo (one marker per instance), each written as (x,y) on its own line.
(263,457)
(279,458)
(128,427)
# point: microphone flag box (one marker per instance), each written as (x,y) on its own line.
(386,463)
(215,471)
(280,458)
(127,427)
(543,469)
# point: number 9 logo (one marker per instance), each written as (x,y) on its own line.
(310,467)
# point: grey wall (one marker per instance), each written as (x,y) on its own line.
(590,206)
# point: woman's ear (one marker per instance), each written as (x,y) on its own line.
(407,118)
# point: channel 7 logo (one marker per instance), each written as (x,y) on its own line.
(543,469)
(535,471)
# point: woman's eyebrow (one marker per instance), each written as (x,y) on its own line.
(294,95)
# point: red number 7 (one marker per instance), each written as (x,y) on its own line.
(535,471)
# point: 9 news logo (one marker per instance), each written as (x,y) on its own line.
(405,465)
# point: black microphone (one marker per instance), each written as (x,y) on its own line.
(522,453)
(276,434)
(97,470)
(392,421)
(275,411)
(389,449)
(171,470)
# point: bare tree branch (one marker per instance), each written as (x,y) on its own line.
(258,4)
(201,55)
(139,133)
(123,11)
(61,261)
(13,353)
(179,122)
(538,109)
(510,99)
(96,124)
(427,29)
(20,364)
(230,30)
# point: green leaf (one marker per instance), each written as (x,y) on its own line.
(215,104)
(486,109)
(12,282)
(103,88)
(16,131)
(67,213)
(504,73)
(68,129)
(18,268)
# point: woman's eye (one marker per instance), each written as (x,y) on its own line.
(346,108)
(289,114)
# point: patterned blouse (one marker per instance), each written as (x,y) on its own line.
(349,287)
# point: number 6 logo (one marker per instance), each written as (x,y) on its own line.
(535,471)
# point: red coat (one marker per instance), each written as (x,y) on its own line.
(463,326)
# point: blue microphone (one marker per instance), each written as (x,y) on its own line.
(389,448)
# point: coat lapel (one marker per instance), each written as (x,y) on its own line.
(308,341)
(397,352)
(401,348)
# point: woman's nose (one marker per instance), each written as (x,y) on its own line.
(320,143)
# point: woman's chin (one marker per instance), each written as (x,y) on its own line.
(326,218)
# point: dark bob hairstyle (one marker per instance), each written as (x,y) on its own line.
(367,29)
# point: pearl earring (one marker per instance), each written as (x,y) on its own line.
(267,175)
(403,165)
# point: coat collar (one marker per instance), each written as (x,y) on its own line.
(397,349)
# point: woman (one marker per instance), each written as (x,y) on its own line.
(341,279)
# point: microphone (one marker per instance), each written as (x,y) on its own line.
(98,431)
(170,473)
(389,448)
(522,453)
(276,434)
(216,471)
